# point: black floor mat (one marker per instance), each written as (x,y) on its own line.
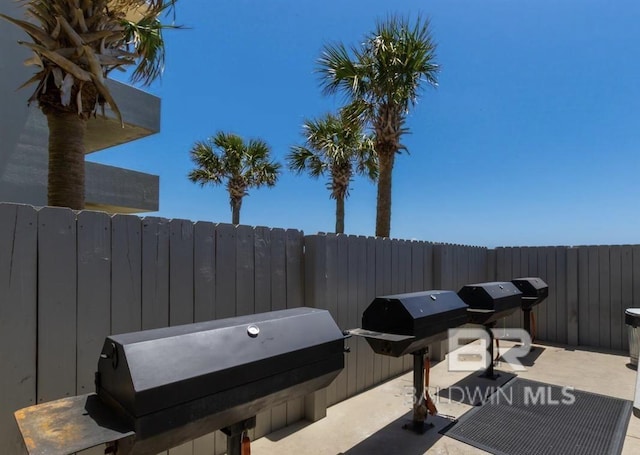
(533,418)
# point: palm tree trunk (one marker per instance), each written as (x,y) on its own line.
(235,210)
(66,160)
(340,215)
(383,203)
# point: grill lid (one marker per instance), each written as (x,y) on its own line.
(534,291)
(157,369)
(491,301)
(399,324)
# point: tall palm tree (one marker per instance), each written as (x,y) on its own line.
(227,158)
(335,146)
(381,79)
(76,44)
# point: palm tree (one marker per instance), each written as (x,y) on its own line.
(226,157)
(381,79)
(76,44)
(335,145)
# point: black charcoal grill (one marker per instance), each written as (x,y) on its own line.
(396,325)
(489,302)
(159,388)
(534,291)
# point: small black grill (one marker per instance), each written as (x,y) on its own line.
(534,291)
(489,302)
(396,325)
(167,386)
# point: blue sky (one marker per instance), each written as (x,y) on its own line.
(531,138)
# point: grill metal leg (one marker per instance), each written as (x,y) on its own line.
(489,373)
(418,424)
(234,435)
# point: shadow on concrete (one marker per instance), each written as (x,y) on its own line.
(394,440)
(530,359)
(287,431)
(474,389)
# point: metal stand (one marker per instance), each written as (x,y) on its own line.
(527,320)
(489,373)
(418,424)
(234,435)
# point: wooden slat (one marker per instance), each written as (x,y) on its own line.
(94,294)
(417,266)
(126,267)
(387,364)
(181,272)
(381,366)
(204,271)
(583,296)
(245,271)
(594,296)
(616,311)
(572,297)
(57,279)
(627,287)
(18,316)
(604,302)
(428,272)
(561,295)
(342,305)
(551,304)
(396,365)
(406,276)
(225,289)
(204,280)
(278,302)
(155,273)
(374,364)
(225,271)
(352,312)
(364,366)
(294,245)
(262,301)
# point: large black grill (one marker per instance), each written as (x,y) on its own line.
(167,386)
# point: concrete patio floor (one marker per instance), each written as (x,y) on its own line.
(371,422)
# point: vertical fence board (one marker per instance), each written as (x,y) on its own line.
(396,365)
(225,271)
(225,297)
(561,295)
(342,281)
(604,302)
(204,271)
(387,283)
(181,272)
(245,270)
(406,276)
(616,312)
(94,294)
(583,296)
(627,288)
(572,297)
(551,305)
(262,302)
(18,316)
(428,271)
(364,365)
(295,298)
(57,279)
(204,281)
(126,257)
(155,273)
(352,313)
(594,296)
(278,302)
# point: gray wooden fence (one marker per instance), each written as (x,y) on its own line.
(67,280)
(589,289)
